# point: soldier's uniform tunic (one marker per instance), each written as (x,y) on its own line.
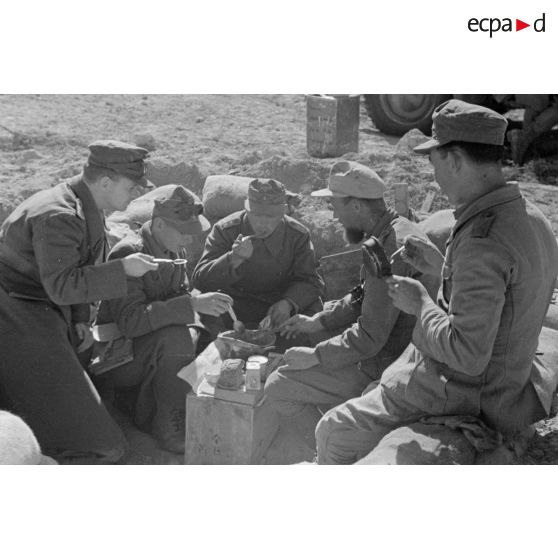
(283,265)
(474,352)
(157,315)
(51,247)
(375,334)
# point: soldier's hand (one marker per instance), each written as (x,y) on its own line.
(299,323)
(279,312)
(213,304)
(137,265)
(423,255)
(85,335)
(242,249)
(407,294)
(299,358)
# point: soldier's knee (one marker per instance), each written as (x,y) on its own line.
(278,390)
(174,342)
(324,430)
(334,442)
(272,388)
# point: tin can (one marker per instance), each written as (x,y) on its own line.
(253,376)
(263,362)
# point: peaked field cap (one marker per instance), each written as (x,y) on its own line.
(266,196)
(456,120)
(182,210)
(123,158)
(350,179)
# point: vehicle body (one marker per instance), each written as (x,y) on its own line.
(397,114)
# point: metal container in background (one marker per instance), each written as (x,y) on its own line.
(332,123)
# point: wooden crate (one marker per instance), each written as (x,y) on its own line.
(332,123)
(225,433)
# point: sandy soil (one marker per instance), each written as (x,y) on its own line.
(44,138)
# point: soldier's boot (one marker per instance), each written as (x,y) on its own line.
(169,428)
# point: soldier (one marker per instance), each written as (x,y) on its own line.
(541,114)
(473,351)
(364,332)
(262,258)
(160,317)
(51,268)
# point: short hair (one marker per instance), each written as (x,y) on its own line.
(375,204)
(94,173)
(480,153)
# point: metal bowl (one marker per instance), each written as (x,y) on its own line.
(251,342)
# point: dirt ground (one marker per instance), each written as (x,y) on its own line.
(44,138)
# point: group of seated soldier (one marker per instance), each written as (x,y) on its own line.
(447,336)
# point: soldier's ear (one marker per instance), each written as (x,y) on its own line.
(356,204)
(456,160)
(105,183)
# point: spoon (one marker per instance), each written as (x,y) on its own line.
(238,326)
(178,261)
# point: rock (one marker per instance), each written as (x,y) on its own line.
(438,227)
(147,141)
(161,172)
(4,212)
(224,194)
(421,444)
(293,173)
(18,444)
(410,140)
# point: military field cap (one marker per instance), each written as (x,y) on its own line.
(457,120)
(182,210)
(123,158)
(266,196)
(350,179)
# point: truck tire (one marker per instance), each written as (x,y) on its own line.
(397,114)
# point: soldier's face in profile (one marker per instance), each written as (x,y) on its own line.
(121,191)
(345,211)
(262,224)
(171,238)
(441,161)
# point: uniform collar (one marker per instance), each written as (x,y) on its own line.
(383,223)
(89,212)
(505,194)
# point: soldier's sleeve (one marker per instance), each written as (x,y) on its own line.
(214,269)
(339,313)
(305,285)
(136,315)
(56,243)
(366,337)
(464,337)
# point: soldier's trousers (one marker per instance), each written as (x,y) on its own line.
(161,395)
(350,431)
(289,391)
(42,380)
